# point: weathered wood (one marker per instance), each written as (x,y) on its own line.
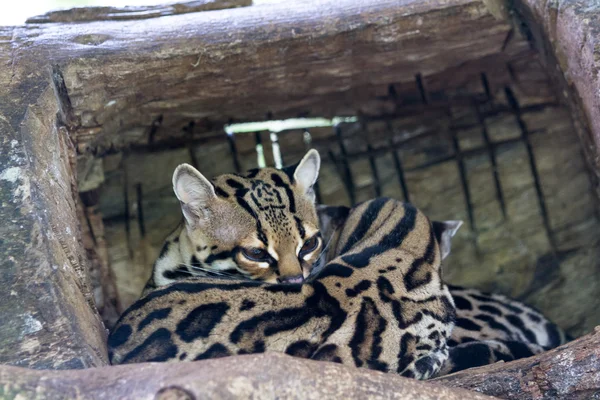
(511,255)
(106,297)
(47,318)
(571,371)
(288,58)
(567,34)
(84,14)
(264,376)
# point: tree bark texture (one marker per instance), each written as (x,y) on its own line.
(258,376)
(567,35)
(90,14)
(287,58)
(100,86)
(47,313)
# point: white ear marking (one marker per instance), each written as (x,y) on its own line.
(193,190)
(307,171)
(444,231)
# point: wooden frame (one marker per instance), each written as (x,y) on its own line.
(92,87)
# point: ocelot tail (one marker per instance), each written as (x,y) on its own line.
(379,303)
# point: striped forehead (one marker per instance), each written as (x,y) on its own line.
(267,195)
(270,184)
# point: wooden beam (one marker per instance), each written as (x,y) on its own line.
(567,36)
(85,14)
(287,58)
(47,313)
(571,371)
(270,375)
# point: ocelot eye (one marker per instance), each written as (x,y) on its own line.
(309,245)
(256,254)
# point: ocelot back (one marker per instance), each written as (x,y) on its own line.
(379,303)
(489,327)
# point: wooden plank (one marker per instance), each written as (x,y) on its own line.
(47,318)
(257,376)
(567,35)
(571,371)
(84,14)
(287,58)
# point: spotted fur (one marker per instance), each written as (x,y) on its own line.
(489,327)
(266,211)
(493,327)
(379,303)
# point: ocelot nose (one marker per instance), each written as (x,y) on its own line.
(291,279)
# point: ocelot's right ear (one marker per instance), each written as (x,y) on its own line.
(195,193)
(306,172)
(444,231)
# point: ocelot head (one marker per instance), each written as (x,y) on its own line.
(261,225)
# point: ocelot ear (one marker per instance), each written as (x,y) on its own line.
(444,231)
(307,171)
(195,193)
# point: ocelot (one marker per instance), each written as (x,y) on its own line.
(378,303)
(489,327)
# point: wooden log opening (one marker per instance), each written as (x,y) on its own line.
(475,110)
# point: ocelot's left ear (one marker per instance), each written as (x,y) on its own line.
(444,231)
(307,172)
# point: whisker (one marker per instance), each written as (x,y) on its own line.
(325,248)
(208,272)
(317,268)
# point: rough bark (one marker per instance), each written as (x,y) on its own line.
(571,371)
(567,33)
(47,317)
(287,58)
(101,274)
(264,376)
(83,14)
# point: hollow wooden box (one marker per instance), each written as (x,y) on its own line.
(82,86)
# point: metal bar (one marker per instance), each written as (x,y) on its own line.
(492,156)
(127,211)
(154,128)
(234,153)
(486,86)
(422,90)
(463,180)
(260,151)
(397,162)
(277,156)
(140,209)
(342,172)
(375,173)
(458,156)
(442,107)
(525,135)
(384,150)
(177,143)
(372,161)
(88,200)
(345,165)
(189,130)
